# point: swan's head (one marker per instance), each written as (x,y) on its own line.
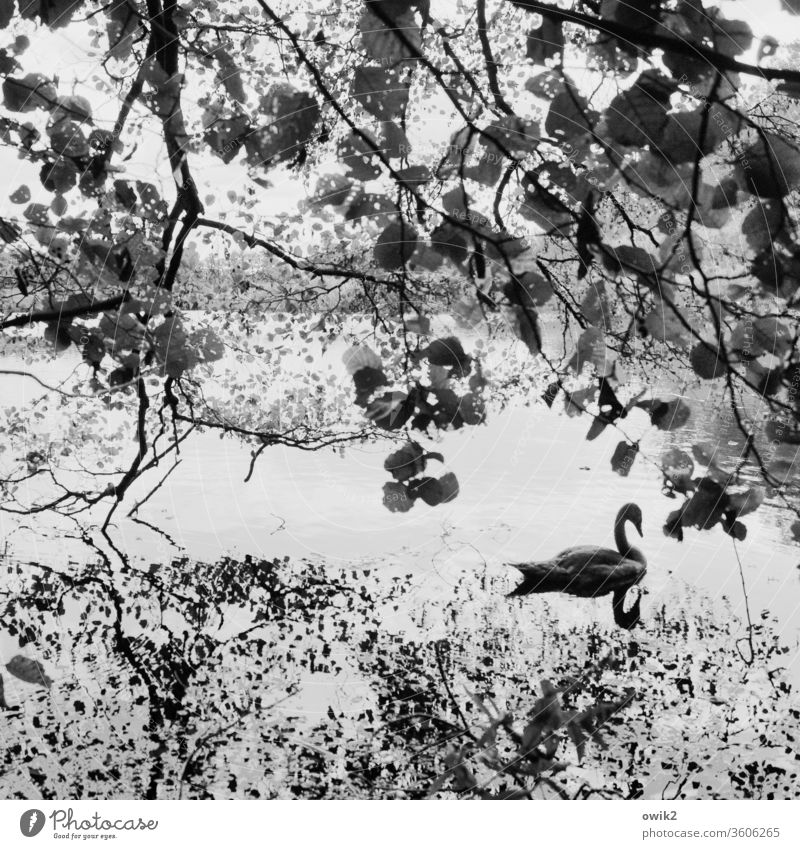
(631,513)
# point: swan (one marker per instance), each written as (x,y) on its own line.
(589,571)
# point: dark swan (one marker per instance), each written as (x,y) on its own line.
(589,571)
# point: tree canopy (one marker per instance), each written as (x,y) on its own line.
(617,169)
(211,196)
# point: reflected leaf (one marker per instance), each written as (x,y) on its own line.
(677,467)
(742,503)
(396,498)
(666,414)
(29,671)
(408,461)
(435,491)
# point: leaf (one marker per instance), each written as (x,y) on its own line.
(170,344)
(154,207)
(663,325)
(380,91)
(59,205)
(67,139)
(509,135)
(682,131)
(9,232)
(33,91)
(763,223)
(72,107)
(59,176)
(592,348)
(732,37)
(623,457)
(391,410)
(707,361)
(292,117)
(52,13)
(576,402)
(770,167)
(226,136)
(525,324)
(124,334)
(569,115)
(366,381)
(29,671)
(37,214)
(6,12)
(94,348)
(545,86)
(331,190)
(637,117)
(761,336)
(361,356)
(595,307)
(377,209)
(20,195)
(529,288)
(358,157)
(120,376)
(57,334)
(546,41)
(395,245)
(205,345)
(121,28)
(448,352)
(383,42)
(230,75)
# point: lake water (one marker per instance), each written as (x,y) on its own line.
(530,485)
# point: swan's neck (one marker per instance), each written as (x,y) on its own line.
(621,539)
(620,535)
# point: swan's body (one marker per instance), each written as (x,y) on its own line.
(589,571)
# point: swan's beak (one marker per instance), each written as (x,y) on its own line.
(638,527)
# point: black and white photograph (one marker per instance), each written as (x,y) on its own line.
(399,400)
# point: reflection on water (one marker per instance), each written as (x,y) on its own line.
(530,485)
